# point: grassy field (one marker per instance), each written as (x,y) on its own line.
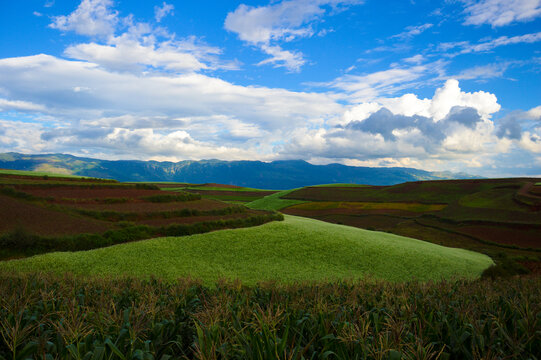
(297,249)
(340,185)
(274,202)
(38,173)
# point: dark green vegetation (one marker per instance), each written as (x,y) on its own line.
(43,214)
(498,217)
(227,193)
(297,249)
(49,317)
(255,174)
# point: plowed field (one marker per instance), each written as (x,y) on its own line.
(43,221)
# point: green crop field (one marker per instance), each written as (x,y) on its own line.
(37,173)
(296,249)
(340,185)
(274,201)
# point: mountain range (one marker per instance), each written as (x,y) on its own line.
(282,174)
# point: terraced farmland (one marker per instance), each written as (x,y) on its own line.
(42,213)
(228,193)
(496,216)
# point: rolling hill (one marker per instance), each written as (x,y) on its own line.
(293,250)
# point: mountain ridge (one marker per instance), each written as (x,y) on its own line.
(279,174)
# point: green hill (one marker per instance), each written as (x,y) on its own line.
(297,249)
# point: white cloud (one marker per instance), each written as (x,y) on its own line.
(534,113)
(452,125)
(125,54)
(488,45)
(531,140)
(483,72)
(163,11)
(284,21)
(92,18)
(501,12)
(415,59)
(451,95)
(24,139)
(215,113)
(140,47)
(293,61)
(363,88)
(18,105)
(412,31)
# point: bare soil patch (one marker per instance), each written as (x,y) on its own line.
(146,207)
(44,221)
(191,219)
(522,237)
(72,192)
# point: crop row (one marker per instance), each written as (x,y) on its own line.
(116,216)
(47,317)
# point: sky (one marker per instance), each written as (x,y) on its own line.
(451,85)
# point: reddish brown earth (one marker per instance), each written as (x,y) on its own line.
(348,211)
(44,221)
(192,219)
(258,194)
(525,238)
(370,222)
(73,192)
(143,207)
(533,266)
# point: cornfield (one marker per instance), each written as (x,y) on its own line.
(47,317)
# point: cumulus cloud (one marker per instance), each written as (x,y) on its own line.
(215,113)
(265,26)
(534,113)
(509,128)
(501,12)
(451,125)
(139,46)
(91,18)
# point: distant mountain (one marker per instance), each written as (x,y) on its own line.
(284,174)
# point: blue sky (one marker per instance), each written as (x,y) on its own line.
(438,85)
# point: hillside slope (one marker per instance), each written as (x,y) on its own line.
(255,174)
(297,249)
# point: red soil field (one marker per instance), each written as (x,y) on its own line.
(192,219)
(325,212)
(43,221)
(143,207)
(525,238)
(90,193)
(257,194)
